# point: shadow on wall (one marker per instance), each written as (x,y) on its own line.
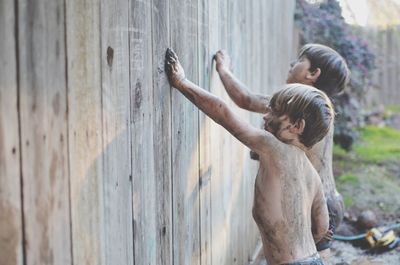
(114,205)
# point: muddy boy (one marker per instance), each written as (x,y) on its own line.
(318,66)
(289,203)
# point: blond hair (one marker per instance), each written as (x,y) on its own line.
(299,101)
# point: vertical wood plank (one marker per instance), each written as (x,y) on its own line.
(117,188)
(162,132)
(396,95)
(142,121)
(205,63)
(385,60)
(85,131)
(220,186)
(10,188)
(293,38)
(212,130)
(247,176)
(185,154)
(391,73)
(265,40)
(239,212)
(260,50)
(44,129)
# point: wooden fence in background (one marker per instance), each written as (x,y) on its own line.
(101,162)
(385,44)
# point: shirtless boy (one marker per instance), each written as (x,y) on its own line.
(318,66)
(289,204)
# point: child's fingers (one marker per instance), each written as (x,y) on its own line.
(170,55)
(173,54)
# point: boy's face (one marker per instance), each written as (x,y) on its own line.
(278,125)
(299,70)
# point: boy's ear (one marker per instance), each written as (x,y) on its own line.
(313,76)
(298,127)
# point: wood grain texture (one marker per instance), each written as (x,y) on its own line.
(117,166)
(11,230)
(162,133)
(142,122)
(205,168)
(116,154)
(185,149)
(43,112)
(385,44)
(85,131)
(220,221)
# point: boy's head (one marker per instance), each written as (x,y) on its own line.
(299,111)
(320,66)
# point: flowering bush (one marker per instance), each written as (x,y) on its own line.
(323,23)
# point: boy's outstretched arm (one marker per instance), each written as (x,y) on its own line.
(256,139)
(236,89)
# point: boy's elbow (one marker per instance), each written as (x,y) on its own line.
(243,101)
(219,112)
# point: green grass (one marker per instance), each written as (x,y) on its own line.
(390,110)
(378,144)
(393,108)
(348,201)
(348,178)
(346,185)
(339,151)
(368,175)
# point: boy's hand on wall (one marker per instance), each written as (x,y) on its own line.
(223,60)
(173,68)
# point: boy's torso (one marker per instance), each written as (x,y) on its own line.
(283,196)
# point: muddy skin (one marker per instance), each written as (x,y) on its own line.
(321,158)
(289,204)
(174,70)
(284,191)
(320,155)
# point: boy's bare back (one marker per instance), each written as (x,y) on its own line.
(288,200)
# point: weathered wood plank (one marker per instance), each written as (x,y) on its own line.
(287,7)
(220,142)
(210,128)
(185,150)
(11,234)
(204,63)
(239,215)
(270,48)
(117,188)
(142,121)
(248,173)
(85,131)
(162,133)
(43,112)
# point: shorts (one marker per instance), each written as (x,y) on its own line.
(312,260)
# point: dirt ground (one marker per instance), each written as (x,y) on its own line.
(346,254)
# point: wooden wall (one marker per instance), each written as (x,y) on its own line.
(101,162)
(385,43)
